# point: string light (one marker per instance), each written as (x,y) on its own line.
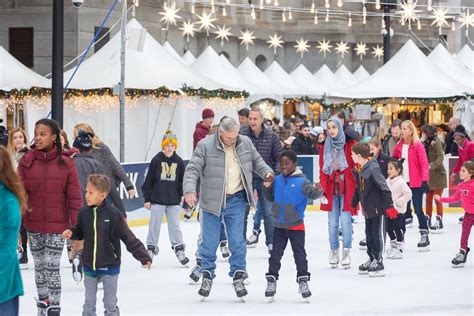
(327,5)
(227,1)
(383,22)
(276,3)
(349,21)
(313,7)
(429,6)
(136,3)
(340,3)
(283,16)
(316,17)
(453,26)
(290,15)
(364,15)
(252,12)
(193,7)
(418,24)
(261,4)
(327,15)
(224,11)
(213,7)
(377,4)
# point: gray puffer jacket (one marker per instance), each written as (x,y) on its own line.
(208,164)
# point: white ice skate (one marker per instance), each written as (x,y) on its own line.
(346,258)
(334,258)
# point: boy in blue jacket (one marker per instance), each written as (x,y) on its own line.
(289,193)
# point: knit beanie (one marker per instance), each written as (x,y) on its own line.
(83,140)
(169,138)
(207,113)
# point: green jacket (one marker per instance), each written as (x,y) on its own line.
(438,178)
(11,285)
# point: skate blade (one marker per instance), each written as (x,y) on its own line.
(409,225)
(333,266)
(203,299)
(77,277)
(271,299)
(363,272)
(362,248)
(461,265)
(23,266)
(306,300)
(424,249)
(252,246)
(376,274)
(242,300)
(437,231)
(346,266)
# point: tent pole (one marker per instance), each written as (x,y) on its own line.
(57,69)
(386,38)
(122,80)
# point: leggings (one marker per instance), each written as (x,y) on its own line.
(394,228)
(466,229)
(429,203)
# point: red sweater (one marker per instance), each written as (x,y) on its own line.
(54,191)
(327,182)
(466,153)
(200,132)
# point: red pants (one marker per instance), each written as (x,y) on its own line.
(429,203)
(466,229)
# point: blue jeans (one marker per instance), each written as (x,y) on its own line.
(10,307)
(346,222)
(417,200)
(265,209)
(232,217)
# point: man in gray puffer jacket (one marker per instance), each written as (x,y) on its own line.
(224,162)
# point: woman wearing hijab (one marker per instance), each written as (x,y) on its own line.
(338,182)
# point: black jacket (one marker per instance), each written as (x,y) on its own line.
(451,146)
(303,145)
(267,144)
(372,191)
(382,159)
(102,228)
(164,187)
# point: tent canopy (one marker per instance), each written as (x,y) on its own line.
(304,78)
(281,78)
(324,74)
(361,74)
(167,46)
(345,77)
(15,75)
(188,58)
(466,56)
(408,74)
(442,59)
(151,68)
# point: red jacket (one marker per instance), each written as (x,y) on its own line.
(466,153)
(200,132)
(419,167)
(54,191)
(327,182)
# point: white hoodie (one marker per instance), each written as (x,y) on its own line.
(401,193)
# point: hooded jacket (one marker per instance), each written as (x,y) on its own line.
(372,191)
(102,228)
(200,133)
(54,191)
(290,198)
(401,193)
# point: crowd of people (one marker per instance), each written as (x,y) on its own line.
(52,192)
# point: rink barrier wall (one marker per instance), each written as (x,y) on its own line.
(308,164)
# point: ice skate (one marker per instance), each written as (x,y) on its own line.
(22,257)
(460,259)
(270,248)
(461,219)
(206,285)
(376,268)
(271,288)
(196,274)
(224,249)
(42,306)
(340,233)
(53,310)
(239,285)
(334,258)
(346,258)
(252,241)
(179,251)
(303,287)
(152,251)
(188,214)
(364,268)
(363,244)
(424,244)
(77,273)
(409,222)
(394,251)
(437,228)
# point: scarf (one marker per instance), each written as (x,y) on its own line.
(334,148)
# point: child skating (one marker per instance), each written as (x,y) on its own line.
(465,194)
(289,194)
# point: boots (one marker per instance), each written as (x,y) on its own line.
(424,244)
(206,284)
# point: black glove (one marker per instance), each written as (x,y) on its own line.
(425,187)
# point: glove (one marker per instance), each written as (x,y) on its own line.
(392,213)
(425,186)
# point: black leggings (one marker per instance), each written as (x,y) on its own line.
(394,227)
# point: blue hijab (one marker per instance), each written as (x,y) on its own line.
(335,147)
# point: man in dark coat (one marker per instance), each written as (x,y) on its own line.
(303,144)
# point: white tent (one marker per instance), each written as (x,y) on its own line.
(146,117)
(442,59)
(466,56)
(408,74)
(167,46)
(249,71)
(361,74)
(281,78)
(15,75)
(302,76)
(325,75)
(345,77)
(188,58)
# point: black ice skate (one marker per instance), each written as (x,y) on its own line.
(364,268)
(376,268)
(53,310)
(303,287)
(461,219)
(363,244)
(224,249)
(460,259)
(206,285)
(77,273)
(409,222)
(188,214)
(424,244)
(22,257)
(42,305)
(179,251)
(196,271)
(238,283)
(152,251)
(253,239)
(271,287)
(437,227)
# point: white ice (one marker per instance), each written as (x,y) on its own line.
(420,283)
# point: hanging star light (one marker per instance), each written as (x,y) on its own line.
(206,21)
(188,29)
(342,48)
(361,49)
(302,46)
(324,47)
(408,12)
(439,18)
(377,52)
(170,14)
(246,38)
(223,33)
(275,42)
(467,19)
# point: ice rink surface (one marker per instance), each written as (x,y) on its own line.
(420,283)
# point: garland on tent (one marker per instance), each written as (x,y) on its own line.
(304,99)
(425,101)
